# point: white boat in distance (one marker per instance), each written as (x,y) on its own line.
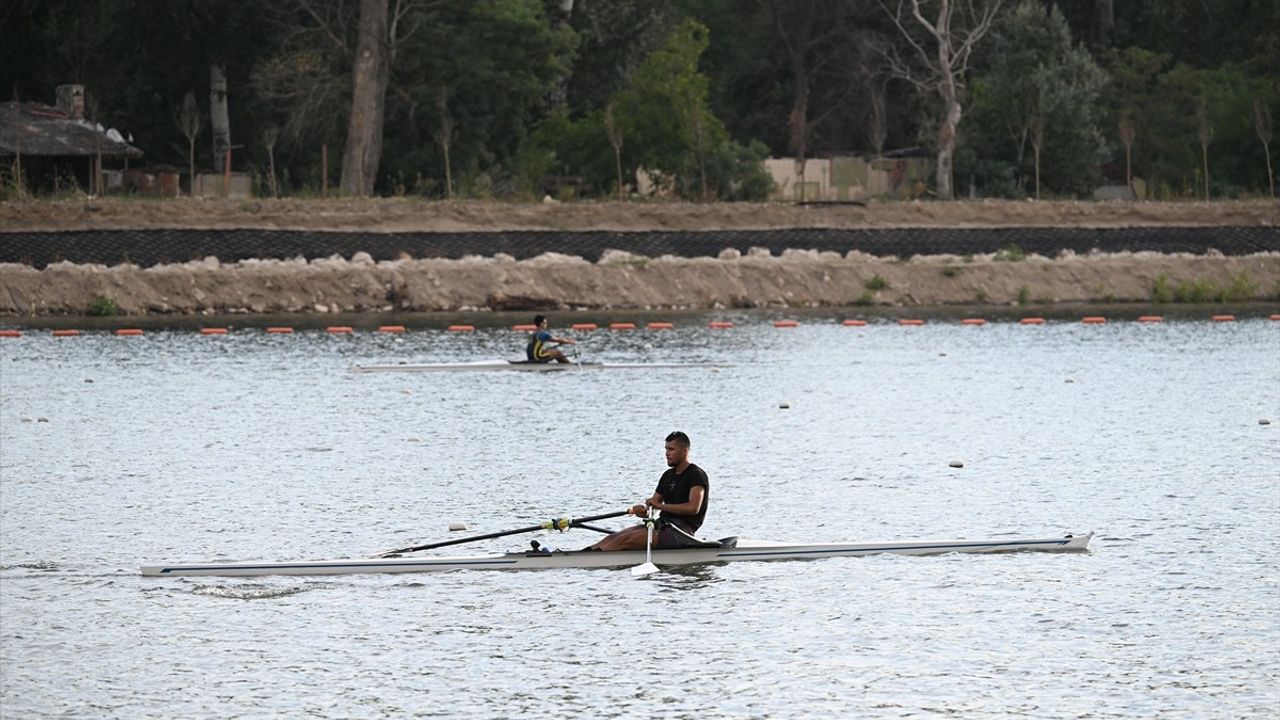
(727,550)
(525,366)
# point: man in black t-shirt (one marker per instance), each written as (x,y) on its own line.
(682,496)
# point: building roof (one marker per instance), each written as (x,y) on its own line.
(30,128)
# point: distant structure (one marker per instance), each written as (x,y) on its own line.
(55,148)
(898,174)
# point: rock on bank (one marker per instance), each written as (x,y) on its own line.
(624,281)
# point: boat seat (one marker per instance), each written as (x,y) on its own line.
(728,542)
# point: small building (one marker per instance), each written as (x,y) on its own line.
(899,174)
(56,148)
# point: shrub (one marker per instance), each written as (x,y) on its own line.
(877,283)
(950,270)
(1162,291)
(867,298)
(1242,288)
(102,307)
(1011,253)
(1200,291)
(1024,295)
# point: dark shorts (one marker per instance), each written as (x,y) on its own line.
(673,536)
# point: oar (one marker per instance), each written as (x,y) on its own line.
(648,568)
(556,524)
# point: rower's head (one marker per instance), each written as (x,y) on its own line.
(677,449)
(541,321)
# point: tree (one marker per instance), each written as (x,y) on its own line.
(1262,124)
(219,120)
(1204,133)
(370,72)
(1127,135)
(614,131)
(189,122)
(940,62)
(444,137)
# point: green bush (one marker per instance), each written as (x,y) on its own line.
(950,270)
(1162,291)
(1024,295)
(1200,291)
(867,298)
(1241,288)
(102,307)
(1011,253)
(877,283)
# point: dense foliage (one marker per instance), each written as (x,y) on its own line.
(517,98)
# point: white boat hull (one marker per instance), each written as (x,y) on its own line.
(522,366)
(743,550)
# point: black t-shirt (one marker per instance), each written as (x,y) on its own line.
(674,490)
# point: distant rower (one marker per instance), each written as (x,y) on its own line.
(537,350)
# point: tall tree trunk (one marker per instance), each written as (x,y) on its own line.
(558,96)
(947,142)
(369,76)
(218,119)
(1106,16)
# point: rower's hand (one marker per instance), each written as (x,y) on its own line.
(639,511)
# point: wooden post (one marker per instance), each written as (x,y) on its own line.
(226,174)
(324,170)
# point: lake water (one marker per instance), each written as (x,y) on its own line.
(116,452)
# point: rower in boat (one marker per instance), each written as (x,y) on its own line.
(537,351)
(681,496)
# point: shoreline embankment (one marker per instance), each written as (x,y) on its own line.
(826,265)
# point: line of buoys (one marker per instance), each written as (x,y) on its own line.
(462,328)
(10,333)
(339,329)
(1150,318)
(391,328)
(910,321)
(622,326)
(66,333)
(785,323)
(1031,321)
(973,321)
(128,332)
(524,328)
(720,325)
(213,331)
(1224,318)
(854,323)
(279,331)
(1093,320)
(584,326)
(661,326)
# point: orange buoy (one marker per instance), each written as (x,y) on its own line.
(66,333)
(720,325)
(661,326)
(910,321)
(1150,318)
(280,330)
(855,323)
(1031,321)
(1276,316)
(213,331)
(1093,320)
(128,331)
(785,323)
(973,321)
(462,328)
(524,328)
(339,329)
(1224,318)
(583,326)
(622,326)
(391,328)
(10,333)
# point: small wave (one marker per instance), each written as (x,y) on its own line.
(46,566)
(249,592)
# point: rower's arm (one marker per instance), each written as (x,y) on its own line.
(696,495)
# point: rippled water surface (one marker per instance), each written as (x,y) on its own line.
(176,447)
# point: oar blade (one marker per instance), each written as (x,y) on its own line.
(643,570)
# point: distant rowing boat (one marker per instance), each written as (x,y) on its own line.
(728,550)
(524,366)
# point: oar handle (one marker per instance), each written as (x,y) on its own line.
(561,524)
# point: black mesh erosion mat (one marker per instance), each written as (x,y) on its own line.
(152,247)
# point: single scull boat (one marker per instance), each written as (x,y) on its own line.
(524,365)
(727,550)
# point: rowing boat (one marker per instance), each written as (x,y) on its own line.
(727,550)
(523,365)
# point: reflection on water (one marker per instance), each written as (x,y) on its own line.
(176,447)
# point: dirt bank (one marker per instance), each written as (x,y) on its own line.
(411,215)
(622,281)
